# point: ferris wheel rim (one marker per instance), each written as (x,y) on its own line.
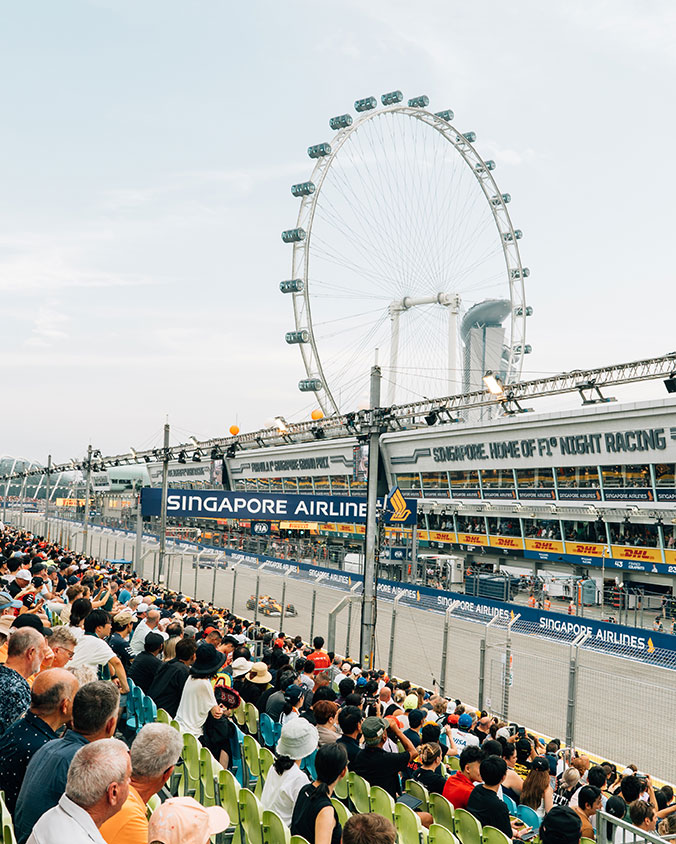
(510,248)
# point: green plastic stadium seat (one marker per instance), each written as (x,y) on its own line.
(163,717)
(274,829)
(407,823)
(341,810)
(467,827)
(298,839)
(358,790)
(441,810)
(250,816)
(251,718)
(416,789)
(252,766)
(491,835)
(381,803)
(440,835)
(228,790)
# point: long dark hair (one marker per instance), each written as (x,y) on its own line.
(330,761)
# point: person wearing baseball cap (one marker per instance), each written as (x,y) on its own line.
(182,820)
(461,734)
(377,766)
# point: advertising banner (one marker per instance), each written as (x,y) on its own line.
(513,542)
(191,472)
(212,504)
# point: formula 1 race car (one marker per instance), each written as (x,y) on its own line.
(268,606)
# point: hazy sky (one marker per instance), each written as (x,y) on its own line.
(147,151)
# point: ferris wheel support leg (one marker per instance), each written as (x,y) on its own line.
(453,317)
(394,352)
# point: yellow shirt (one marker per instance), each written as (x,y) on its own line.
(130,824)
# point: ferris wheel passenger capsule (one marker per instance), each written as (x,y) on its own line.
(303,189)
(419,102)
(293,235)
(522,350)
(470,137)
(524,272)
(296,337)
(366,104)
(392,98)
(507,236)
(342,121)
(489,164)
(445,115)
(520,311)
(310,385)
(500,200)
(293,285)
(319,150)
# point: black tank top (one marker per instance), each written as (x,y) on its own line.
(309,804)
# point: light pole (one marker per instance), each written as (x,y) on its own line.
(48,472)
(88,489)
(163,511)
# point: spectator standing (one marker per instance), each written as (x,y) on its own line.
(314,816)
(459,787)
(25,651)
(167,686)
(154,753)
(319,656)
(146,665)
(377,766)
(285,779)
(52,696)
(349,721)
(96,789)
(95,710)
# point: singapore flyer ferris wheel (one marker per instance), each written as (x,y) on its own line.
(403,244)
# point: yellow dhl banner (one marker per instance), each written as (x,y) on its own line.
(623,552)
(472,539)
(585,549)
(70,502)
(553,546)
(442,536)
(514,542)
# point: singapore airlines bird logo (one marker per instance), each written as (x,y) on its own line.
(400,511)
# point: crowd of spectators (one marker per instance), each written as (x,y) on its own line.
(72,635)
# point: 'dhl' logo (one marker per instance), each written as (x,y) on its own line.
(397,502)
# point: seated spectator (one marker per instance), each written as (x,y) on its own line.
(123,624)
(415,722)
(346,687)
(349,721)
(182,820)
(513,784)
(95,710)
(428,774)
(274,703)
(52,696)
(94,651)
(62,642)
(146,664)
(198,702)
(561,825)
(26,649)
(537,792)
(154,753)
(326,715)
(255,683)
(462,735)
(525,753)
(377,766)
(643,815)
(145,625)
(167,686)
(484,802)
(285,779)
(96,789)
(460,786)
(307,675)
(596,776)
(590,801)
(293,703)
(314,816)
(369,829)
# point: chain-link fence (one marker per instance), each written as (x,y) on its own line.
(555,682)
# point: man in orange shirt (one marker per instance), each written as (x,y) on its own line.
(319,656)
(154,753)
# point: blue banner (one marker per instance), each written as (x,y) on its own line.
(217,504)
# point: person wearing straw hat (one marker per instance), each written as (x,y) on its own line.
(255,683)
(285,779)
(182,820)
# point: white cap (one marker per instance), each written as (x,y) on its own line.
(356,670)
(142,607)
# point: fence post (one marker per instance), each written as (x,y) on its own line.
(482,661)
(507,680)
(283,613)
(444,646)
(234,587)
(393,629)
(314,603)
(180,574)
(580,639)
(197,568)
(213,582)
(353,592)
(331,626)
(258,589)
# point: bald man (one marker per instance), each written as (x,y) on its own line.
(51,706)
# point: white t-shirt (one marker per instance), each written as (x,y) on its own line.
(196,701)
(463,739)
(90,650)
(280,791)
